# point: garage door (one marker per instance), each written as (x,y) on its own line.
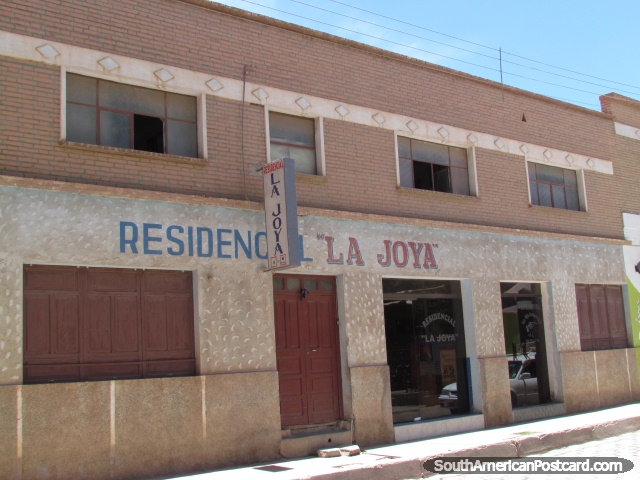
(104,323)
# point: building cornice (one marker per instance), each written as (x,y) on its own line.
(184,199)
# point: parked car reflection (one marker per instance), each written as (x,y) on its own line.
(523,383)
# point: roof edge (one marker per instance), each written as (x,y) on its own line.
(263,19)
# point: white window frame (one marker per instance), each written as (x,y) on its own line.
(582,194)
(471,164)
(318,122)
(201,108)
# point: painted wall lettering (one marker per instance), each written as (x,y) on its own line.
(399,254)
(394,252)
(204,242)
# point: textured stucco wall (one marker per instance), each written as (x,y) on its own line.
(234,304)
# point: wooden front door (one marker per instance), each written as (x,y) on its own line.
(307,349)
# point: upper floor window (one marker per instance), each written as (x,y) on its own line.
(553,186)
(101,112)
(293,137)
(432,166)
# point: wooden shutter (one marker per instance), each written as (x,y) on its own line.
(102,323)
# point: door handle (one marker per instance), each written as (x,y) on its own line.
(312,350)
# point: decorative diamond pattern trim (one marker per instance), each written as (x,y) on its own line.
(569,159)
(163,75)
(78,58)
(524,149)
(303,103)
(108,63)
(411,125)
(260,94)
(342,111)
(443,132)
(379,119)
(47,51)
(499,143)
(547,154)
(214,85)
(472,138)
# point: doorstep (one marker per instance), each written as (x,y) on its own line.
(303,441)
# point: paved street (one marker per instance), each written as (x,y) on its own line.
(621,446)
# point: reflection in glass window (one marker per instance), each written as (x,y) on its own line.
(553,186)
(293,137)
(525,343)
(424,329)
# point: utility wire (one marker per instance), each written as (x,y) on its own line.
(434,53)
(372,36)
(502,60)
(479,44)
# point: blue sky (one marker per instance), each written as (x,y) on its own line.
(566,49)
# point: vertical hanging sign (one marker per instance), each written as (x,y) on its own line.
(281,214)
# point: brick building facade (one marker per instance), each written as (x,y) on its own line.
(462,268)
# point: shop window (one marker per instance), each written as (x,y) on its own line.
(100,112)
(432,166)
(601,317)
(424,328)
(553,186)
(294,137)
(96,324)
(523,324)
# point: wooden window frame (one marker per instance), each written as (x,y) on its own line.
(132,113)
(433,166)
(318,140)
(554,203)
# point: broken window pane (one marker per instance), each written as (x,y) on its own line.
(148,134)
(108,113)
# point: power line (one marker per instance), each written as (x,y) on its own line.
(372,36)
(434,53)
(480,45)
(459,48)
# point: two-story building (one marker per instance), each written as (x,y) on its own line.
(463,254)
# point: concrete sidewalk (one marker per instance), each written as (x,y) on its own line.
(404,461)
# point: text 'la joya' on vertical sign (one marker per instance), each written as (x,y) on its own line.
(281,214)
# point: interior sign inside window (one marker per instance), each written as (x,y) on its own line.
(281,214)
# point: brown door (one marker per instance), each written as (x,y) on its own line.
(307,349)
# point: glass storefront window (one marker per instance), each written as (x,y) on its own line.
(425,349)
(524,343)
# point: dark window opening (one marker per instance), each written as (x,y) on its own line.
(100,112)
(148,134)
(432,166)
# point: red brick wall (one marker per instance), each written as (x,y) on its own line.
(360,160)
(623,109)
